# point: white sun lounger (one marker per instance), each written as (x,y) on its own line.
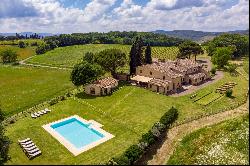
(33,116)
(29,145)
(43,111)
(46,109)
(32,151)
(24,140)
(35,154)
(30,148)
(26,143)
(37,114)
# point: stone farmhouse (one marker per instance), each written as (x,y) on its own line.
(169,76)
(101,87)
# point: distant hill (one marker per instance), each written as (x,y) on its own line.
(28,34)
(198,36)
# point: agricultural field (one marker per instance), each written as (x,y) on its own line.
(23,53)
(70,55)
(24,87)
(226,143)
(15,42)
(127,114)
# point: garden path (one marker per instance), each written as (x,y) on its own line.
(23,62)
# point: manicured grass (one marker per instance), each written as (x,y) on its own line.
(126,114)
(23,87)
(23,53)
(209,98)
(226,143)
(68,56)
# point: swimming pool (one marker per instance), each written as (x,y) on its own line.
(77,134)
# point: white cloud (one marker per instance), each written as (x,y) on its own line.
(98,15)
(96,8)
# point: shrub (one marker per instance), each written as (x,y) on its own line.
(169,117)
(229,92)
(133,153)
(213,70)
(232,68)
(21,44)
(34,44)
(142,145)
(148,138)
(159,126)
(122,160)
(8,55)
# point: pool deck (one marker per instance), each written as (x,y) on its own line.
(76,151)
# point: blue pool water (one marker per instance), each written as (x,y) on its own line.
(77,132)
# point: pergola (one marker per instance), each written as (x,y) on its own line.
(141,80)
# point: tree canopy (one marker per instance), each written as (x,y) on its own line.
(89,57)
(237,41)
(111,60)
(21,44)
(221,56)
(188,48)
(42,48)
(8,55)
(4,142)
(85,72)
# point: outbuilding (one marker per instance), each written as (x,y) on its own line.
(102,87)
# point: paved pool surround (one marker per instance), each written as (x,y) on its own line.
(69,145)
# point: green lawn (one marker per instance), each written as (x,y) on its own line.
(226,143)
(126,114)
(24,87)
(246,65)
(70,55)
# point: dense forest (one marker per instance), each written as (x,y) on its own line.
(114,38)
(126,38)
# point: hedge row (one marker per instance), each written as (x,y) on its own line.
(134,152)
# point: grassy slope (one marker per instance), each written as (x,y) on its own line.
(23,53)
(127,114)
(23,87)
(68,56)
(224,143)
(246,65)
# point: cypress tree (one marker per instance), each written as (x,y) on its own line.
(138,55)
(132,64)
(136,58)
(148,57)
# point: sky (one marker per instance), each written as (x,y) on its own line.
(73,16)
